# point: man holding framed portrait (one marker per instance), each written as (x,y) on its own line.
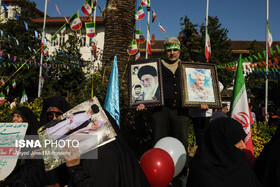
(171,119)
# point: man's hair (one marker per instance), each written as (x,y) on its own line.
(171,40)
(136,67)
(137,86)
(144,70)
(224,105)
(196,74)
(95,108)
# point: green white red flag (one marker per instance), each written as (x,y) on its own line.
(154,16)
(55,39)
(63,29)
(132,48)
(138,55)
(2,82)
(14,84)
(87,7)
(207,46)
(94,3)
(45,50)
(145,2)
(240,110)
(75,22)
(269,40)
(161,28)
(2,97)
(90,29)
(24,97)
(149,47)
(139,36)
(140,13)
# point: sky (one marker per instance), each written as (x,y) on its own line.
(244,19)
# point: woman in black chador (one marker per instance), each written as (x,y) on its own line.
(28,172)
(221,161)
(115,165)
(267,165)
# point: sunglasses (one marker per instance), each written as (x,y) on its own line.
(168,50)
(51,115)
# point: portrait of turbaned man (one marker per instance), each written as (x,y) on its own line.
(145,85)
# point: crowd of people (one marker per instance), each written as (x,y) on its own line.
(218,162)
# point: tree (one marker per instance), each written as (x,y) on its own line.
(20,43)
(191,46)
(66,77)
(119,30)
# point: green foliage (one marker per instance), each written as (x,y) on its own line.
(25,78)
(67,80)
(6,113)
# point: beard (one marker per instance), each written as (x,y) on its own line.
(149,92)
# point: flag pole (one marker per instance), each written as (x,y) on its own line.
(266,68)
(206,22)
(148,25)
(41,60)
(1,8)
(92,66)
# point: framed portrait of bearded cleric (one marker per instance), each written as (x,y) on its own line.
(200,85)
(145,83)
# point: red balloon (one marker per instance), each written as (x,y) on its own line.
(158,167)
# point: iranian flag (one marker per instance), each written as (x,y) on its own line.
(138,55)
(149,48)
(140,13)
(63,29)
(90,29)
(145,2)
(136,16)
(87,7)
(24,97)
(161,28)
(14,84)
(55,39)
(132,48)
(139,36)
(94,3)
(240,110)
(2,97)
(8,90)
(207,46)
(269,40)
(2,82)
(154,16)
(75,22)
(46,50)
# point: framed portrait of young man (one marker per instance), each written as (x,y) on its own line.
(145,83)
(200,85)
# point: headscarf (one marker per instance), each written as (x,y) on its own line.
(27,172)
(267,166)
(28,116)
(116,165)
(55,101)
(58,175)
(220,163)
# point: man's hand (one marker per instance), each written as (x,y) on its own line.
(140,107)
(73,158)
(204,107)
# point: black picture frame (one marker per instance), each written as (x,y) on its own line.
(200,85)
(147,91)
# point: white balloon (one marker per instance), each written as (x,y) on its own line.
(176,150)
